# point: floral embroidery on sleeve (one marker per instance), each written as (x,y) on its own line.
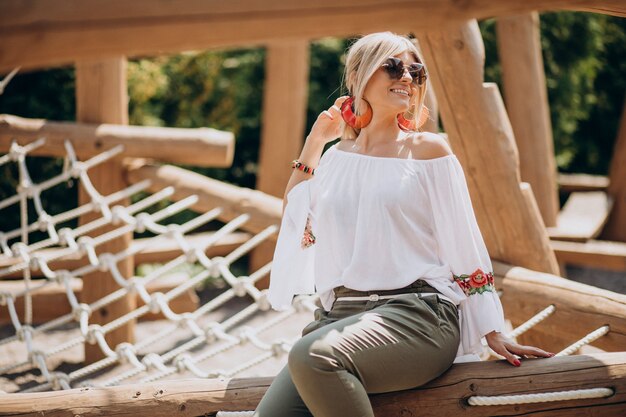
(308,238)
(476,283)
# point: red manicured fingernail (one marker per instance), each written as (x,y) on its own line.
(552,354)
(517,362)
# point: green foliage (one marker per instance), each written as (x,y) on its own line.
(220,89)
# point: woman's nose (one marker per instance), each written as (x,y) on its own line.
(406,75)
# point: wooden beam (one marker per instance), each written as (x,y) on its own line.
(158,251)
(51,301)
(580,308)
(582,217)
(200,147)
(526,98)
(265,210)
(44,33)
(615,228)
(599,254)
(569,183)
(478,127)
(446,395)
(284,120)
(102,97)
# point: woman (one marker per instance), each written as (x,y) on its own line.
(382,228)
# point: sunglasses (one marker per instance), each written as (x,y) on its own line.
(395,69)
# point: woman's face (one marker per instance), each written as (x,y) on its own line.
(379,91)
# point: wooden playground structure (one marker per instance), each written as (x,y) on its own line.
(507,155)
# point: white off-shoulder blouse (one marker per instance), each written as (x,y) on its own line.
(377,223)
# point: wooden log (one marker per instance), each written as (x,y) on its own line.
(569,183)
(157,252)
(446,395)
(51,301)
(44,33)
(432,124)
(284,119)
(615,228)
(600,254)
(582,217)
(580,308)
(200,147)
(481,136)
(102,97)
(265,210)
(430,101)
(526,99)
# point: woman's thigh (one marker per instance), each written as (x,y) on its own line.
(402,343)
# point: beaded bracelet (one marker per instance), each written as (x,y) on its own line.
(299,165)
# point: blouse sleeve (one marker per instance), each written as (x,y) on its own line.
(461,246)
(292,266)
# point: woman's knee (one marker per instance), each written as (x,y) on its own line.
(309,354)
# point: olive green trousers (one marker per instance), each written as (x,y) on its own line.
(364,347)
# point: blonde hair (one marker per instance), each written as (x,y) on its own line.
(364,57)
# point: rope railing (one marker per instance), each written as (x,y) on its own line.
(577,394)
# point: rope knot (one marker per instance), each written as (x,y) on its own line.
(59,381)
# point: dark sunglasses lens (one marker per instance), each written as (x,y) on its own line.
(418,73)
(394,68)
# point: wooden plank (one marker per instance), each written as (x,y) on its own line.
(600,254)
(483,141)
(200,147)
(51,301)
(615,228)
(526,98)
(102,97)
(569,183)
(44,33)
(580,308)
(159,251)
(446,395)
(582,217)
(284,120)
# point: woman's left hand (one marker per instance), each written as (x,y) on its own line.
(506,347)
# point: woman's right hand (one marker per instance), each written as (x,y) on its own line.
(328,125)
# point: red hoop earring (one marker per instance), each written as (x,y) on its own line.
(354,121)
(409,125)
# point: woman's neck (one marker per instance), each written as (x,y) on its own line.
(379,133)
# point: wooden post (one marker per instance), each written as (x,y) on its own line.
(284,118)
(526,98)
(102,97)
(481,136)
(615,228)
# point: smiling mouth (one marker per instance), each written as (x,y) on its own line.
(400,92)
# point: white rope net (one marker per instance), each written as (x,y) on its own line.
(205,343)
(183,344)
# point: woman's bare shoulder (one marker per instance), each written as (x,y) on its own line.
(428,145)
